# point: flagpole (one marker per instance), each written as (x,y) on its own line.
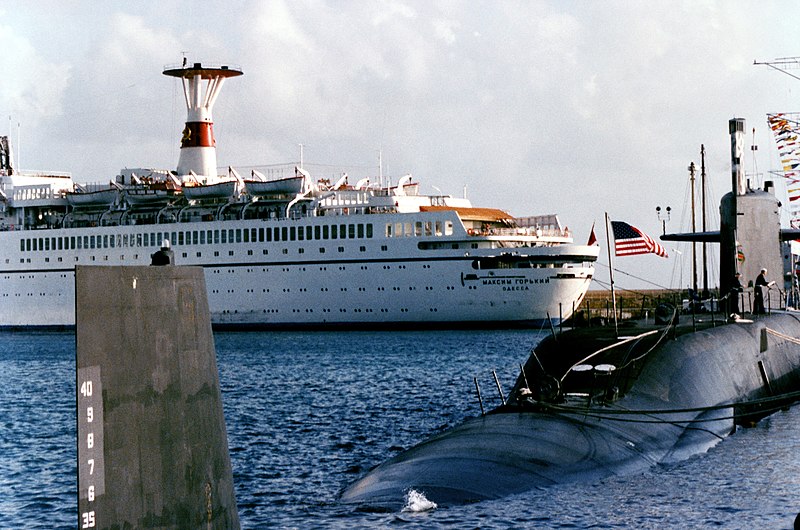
(611,278)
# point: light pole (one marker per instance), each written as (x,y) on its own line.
(663,216)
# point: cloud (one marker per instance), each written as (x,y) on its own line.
(33,85)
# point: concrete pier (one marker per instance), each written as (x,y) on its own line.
(152,444)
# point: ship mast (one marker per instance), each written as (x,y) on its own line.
(703,215)
(694,229)
(201,87)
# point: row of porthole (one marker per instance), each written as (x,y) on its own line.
(325,289)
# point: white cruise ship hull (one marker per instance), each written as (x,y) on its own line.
(356,282)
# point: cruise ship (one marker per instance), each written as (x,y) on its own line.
(291,252)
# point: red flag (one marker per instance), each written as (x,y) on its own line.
(592,237)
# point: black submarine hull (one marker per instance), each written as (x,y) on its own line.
(688,396)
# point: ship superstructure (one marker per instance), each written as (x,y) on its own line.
(286,252)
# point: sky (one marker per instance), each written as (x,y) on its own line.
(579,108)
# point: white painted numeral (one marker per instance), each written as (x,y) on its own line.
(89,414)
(86,388)
(91,466)
(90,440)
(88,519)
(90,493)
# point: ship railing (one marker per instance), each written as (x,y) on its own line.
(525,232)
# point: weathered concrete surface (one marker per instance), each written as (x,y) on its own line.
(152,445)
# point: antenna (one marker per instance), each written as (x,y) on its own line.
(783,64)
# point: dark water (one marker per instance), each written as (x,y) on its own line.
(309,412)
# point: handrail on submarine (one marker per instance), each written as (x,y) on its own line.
(606,348)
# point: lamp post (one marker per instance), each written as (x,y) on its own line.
(663,216)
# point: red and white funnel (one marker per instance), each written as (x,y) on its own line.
(201,86)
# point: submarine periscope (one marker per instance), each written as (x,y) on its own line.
(590,404)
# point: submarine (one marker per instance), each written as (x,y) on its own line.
(591,403)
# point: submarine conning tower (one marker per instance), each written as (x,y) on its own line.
(201,87)
(750,226)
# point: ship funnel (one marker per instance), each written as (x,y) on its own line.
(736,129)
(201,87)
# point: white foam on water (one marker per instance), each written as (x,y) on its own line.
(417,502)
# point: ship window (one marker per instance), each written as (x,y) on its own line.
(195,237)
(238,235)
(384,248)
(216,237)
(292,233)
(369,231)
(408,229)
(351,233)
(230,235)
(276,233)
(53,243)
(362,249)
(398,230)
(138,240)
(388,229)
(418,228)
(224,236)
(284,233)
(260,235)
(308,233)
(326,232)
(340,249)
(342,231)
(428,228)
(438,228)
(301,250)
(322,250)
(25,245)
(91,241)
(79,241)
(301,234)
(334,231)
(268,234)
(85,241)
(180,238)
(60,243)
(317,232)
(448,228)
(360,231)
(202,237)
(246,235)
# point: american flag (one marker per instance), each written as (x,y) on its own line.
(629,240)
